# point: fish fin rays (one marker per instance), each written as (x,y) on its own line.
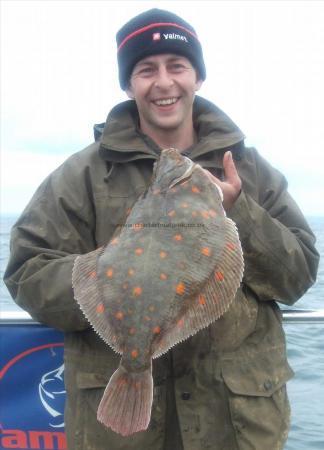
(88,296)
(214,299)
(127,401)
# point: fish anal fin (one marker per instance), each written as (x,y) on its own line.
(215,297)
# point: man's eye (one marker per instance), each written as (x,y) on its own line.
(146,71)
(177,67)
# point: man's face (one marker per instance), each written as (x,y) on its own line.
(164,87)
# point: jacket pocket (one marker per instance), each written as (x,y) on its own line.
(258,402)
(91,380)
(260,374)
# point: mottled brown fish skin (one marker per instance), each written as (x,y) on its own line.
(155,246)
(173,269)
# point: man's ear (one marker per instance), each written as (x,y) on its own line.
(129,92)
(198,84)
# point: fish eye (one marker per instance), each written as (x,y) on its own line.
(180,181)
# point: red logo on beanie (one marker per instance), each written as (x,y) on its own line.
(156,36)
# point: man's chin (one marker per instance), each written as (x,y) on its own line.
(167,125)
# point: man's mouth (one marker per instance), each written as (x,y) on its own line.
(166,101)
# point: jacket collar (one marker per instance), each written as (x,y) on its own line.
(121,139)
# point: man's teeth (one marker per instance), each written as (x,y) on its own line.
(166,101)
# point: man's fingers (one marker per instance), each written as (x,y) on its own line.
(229,166)
(231,174)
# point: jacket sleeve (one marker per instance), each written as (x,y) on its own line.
(55,227)
(279,254)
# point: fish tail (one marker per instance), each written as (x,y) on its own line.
(127,401)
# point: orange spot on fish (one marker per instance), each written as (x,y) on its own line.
(134,353)
(180,288)
(206,251)
(139,251)
(194,213)
(131,272)
(163,254)
(137,291)
(114,241)
(163,276)
(195,190)
(93,274)
(184,205)
(177,237)
(109,272)
(156,191)
(230,246)
(132,331)
(171,213)
(205,214)
(212,213)
(156,330)
(219,276)
(100,308)
(119,315)
(125,286)
(147,318)
(202,300)
(180,323)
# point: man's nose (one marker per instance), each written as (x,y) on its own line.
(163,79)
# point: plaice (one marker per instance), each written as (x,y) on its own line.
(174,269)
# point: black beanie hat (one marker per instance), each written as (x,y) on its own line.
(154,32)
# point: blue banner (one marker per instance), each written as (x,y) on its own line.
(32,392)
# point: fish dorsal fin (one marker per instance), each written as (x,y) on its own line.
(216,296)
(87,294)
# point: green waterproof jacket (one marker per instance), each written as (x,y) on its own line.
(79,208)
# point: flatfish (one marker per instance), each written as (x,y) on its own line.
(173,269)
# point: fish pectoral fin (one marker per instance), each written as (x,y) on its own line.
(127,401)
(88,296)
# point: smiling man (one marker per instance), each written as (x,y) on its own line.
(164,88)
(224,388)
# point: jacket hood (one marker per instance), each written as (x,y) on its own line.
(121,139)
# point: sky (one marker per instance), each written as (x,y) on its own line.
(265,69)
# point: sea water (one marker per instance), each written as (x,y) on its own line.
(305,343)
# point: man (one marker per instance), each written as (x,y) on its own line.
(225,387)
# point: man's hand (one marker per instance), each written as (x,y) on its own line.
(231,186)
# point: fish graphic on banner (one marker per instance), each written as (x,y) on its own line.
(52,395)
